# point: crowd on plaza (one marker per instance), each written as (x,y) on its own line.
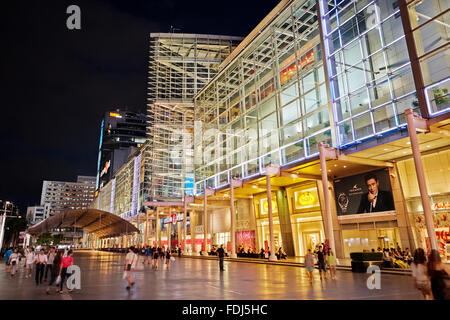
(45,262)
(430,275)
(133,260)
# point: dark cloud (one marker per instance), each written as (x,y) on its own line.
(56,84)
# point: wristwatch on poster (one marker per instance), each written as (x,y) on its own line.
(343,202)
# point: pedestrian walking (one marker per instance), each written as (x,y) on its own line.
(309,264)
(41,261)
(162,254)
(49,266)
(179,251)
(54,272)
(331,262)
(321,263)
(167,259)
(155,259)
(66,262)
(29,262)
(438,274)
(420,274)
(221,253)
(7,255)
(14,262)
(147,255)
(130,266)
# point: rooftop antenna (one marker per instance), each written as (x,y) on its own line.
(172,29)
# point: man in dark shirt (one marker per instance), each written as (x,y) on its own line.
(375,200)
(321,263)
(221,254)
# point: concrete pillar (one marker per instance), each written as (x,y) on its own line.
(179,235)
(208,192)
(285,222)
(193,220)
(233,183)
(324,153)
(269,171)
(169,233)
(158,229)
(184,226)
(415,123)
(146,229)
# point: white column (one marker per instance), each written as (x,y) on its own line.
(269,171)
(205,223)
(208,192)
(158,229)
(233,183)
(169,229)
(323,152)
(415,123)
(184,226)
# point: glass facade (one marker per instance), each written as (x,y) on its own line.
(371,81)
(430,26)
(268,106)
(180,65)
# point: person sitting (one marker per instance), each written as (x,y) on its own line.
(387,259)
(282,254)
(262,253)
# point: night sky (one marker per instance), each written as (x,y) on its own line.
(56,84)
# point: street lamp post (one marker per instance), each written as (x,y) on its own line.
(2,230)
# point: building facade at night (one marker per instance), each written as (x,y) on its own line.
(179,66)
(311,110)
(342,73)
(122,133)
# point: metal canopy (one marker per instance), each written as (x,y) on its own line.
(101,223)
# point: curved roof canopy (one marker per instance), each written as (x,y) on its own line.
(101,223)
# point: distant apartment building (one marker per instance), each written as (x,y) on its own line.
(35,214)
(61,195)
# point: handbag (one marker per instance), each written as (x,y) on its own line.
(58,279)
(129,265)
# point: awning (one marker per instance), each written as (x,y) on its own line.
(101,223)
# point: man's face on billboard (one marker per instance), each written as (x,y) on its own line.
(372,185)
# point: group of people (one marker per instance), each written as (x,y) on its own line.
(323,259)
(149,253)
(396,258)
(429,275)
(45,262)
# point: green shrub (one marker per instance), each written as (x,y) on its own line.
(366,256)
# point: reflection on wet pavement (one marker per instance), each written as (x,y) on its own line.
(196,279)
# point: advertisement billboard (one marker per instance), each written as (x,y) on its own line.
(364,193)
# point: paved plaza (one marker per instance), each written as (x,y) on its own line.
(198,279)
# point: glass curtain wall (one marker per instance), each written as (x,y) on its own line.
(430,26)
(371,82)
(268,106)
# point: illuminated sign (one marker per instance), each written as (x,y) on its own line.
(115,115)
(306,199)
(174,218)
(265,206)
(441,205)
(96,194)
(105,169)
(136,179)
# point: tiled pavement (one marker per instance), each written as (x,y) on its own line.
(200,279)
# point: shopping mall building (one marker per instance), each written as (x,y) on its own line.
(339,113)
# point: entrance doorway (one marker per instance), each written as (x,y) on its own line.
(310,240)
